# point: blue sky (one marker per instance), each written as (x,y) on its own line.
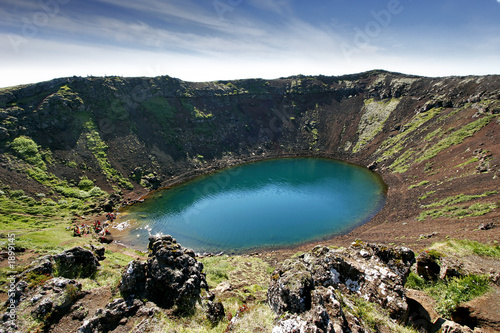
(234,39)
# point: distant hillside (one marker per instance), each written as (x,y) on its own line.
(436,141)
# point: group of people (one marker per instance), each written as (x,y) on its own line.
(79,230)
(101,229)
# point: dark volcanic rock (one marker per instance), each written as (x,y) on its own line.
(306,287)
(171,276)
(76,262)
(428,266)
(133,280)
(43,266)
(114,313)
(215,311)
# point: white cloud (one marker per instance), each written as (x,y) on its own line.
(45,60)
(245,47)
(187,11)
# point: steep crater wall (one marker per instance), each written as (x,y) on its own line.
(426,136)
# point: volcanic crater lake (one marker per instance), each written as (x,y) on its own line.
(267,204)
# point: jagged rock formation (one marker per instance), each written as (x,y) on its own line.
(76,262)
(171,276)
(308,288)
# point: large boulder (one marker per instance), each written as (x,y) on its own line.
(305,289)
(76,263)
(171,275)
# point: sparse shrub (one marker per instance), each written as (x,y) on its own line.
(16,193)
(96,192)
(85,184)
(35,279)
(27,149)
(72,292)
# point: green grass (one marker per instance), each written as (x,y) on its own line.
(456,137)
(48,239)
(426,195)
(422,183)
(199,114)
(161,109)
(465,247)
(458,211)
(394,145)
(99,150)
(459,199)
(110,272)
(438,132)
(448,294)
(216,269)
(372,121)
(401,164)
(368,312)
(448,207)
(236,269)
(61,186)
(372,315)
(472,160)
(85,184)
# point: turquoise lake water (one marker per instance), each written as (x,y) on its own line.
(273,203)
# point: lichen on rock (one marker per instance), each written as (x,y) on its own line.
(305,288)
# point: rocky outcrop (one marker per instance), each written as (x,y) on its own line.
(52,299)
(73,263)
(214,311)
(46,303)
(116,313)
(76,262)
(307,289)
(55,297)
(171,275)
